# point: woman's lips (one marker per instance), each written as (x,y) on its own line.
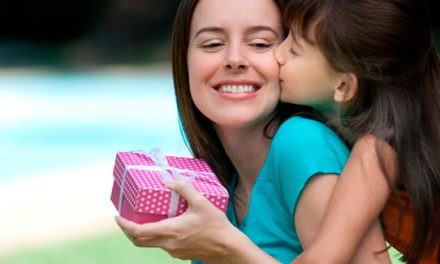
(237,87)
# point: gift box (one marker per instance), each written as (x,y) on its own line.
(139,193)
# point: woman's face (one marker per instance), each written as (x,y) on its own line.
(233,73)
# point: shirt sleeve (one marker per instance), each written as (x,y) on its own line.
(302,148)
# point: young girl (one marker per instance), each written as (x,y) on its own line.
(373,63)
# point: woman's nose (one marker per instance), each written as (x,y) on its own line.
(235,59)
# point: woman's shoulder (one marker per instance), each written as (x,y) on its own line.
(302,140)
(301,130)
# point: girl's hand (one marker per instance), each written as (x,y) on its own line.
(203,232)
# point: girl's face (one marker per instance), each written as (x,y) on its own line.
(233,73)
(305,75)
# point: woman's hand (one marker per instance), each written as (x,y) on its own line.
(203,232)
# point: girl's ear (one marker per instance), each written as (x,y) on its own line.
(346,87)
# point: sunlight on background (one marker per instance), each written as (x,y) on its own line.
(59,133)
(68,119)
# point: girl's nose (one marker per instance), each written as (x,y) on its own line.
(279,53)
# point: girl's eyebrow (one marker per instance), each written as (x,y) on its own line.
(249,30)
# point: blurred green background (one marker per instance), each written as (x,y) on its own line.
(109,249)
(78,33)
(52,50)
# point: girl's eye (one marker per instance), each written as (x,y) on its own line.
(292,51)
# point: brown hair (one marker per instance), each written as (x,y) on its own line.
(387,44)
(197,129)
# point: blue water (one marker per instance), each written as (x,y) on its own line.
(57,120)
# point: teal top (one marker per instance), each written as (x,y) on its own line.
(300,149)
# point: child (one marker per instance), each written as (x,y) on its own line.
(373,62)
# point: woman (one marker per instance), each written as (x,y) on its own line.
(226,81)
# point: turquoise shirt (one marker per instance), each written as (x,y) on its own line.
(300,149)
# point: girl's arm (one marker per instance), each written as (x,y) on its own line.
(203,232)
(350,232)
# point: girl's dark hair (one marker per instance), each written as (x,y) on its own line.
(198,130)
(387,44)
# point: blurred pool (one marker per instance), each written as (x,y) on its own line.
(54,120)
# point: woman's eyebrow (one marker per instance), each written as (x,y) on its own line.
(259,28)
(249,30)
(208,29)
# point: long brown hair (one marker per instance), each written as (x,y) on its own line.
(197,129)
(387,44)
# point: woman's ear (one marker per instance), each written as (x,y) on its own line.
(346,87)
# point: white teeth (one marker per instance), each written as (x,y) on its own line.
(236,89)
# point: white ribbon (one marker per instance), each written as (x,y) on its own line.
(161,165)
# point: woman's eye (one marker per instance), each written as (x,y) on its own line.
(212,45)
(261,45)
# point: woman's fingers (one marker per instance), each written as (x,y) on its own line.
(187,191)
(179,235)
(129,227)
(145,235)
(149,230)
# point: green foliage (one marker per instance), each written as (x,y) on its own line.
(108,249)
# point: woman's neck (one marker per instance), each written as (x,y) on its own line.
(247,148)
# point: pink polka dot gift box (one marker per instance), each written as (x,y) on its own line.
(139,192)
